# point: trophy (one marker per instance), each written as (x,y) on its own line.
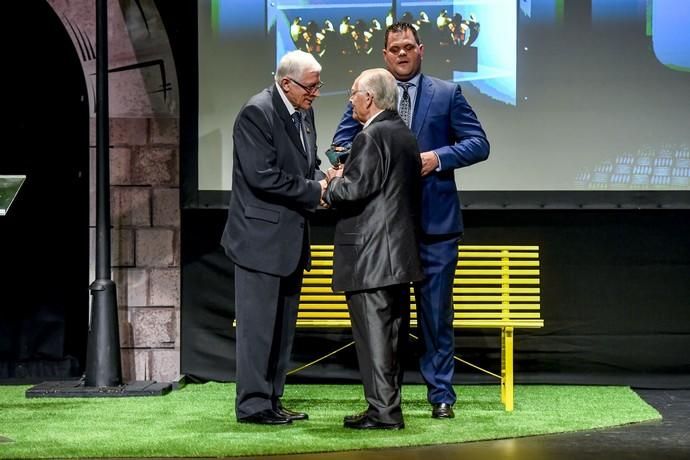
(337,155)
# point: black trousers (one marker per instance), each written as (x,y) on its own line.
(380,322)
(266,313)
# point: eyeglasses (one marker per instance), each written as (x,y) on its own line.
(310,89)
(352,92)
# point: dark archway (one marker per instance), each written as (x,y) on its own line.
(44,240)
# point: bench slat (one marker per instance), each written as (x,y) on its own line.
(495,298)
(497,263)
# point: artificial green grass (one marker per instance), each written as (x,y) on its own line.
(199,421)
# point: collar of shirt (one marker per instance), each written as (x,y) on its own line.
(372,119)
(288,104)
(412,91)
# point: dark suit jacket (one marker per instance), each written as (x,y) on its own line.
(378,202)
(443,121)
(273,190)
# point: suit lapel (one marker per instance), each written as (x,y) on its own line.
(310,138)
(289,125)
(424,96)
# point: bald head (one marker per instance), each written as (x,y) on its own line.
(381,85)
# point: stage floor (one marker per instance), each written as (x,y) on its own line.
(666,439)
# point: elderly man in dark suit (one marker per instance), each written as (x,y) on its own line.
(377,197)
(274,190)
(449,137)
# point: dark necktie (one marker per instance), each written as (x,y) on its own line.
(297,120)
(405,103)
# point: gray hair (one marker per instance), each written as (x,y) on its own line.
(295,63)
(382,87)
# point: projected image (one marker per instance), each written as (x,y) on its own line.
(664,168)
(345,38)
(348,38)
(670,36)
(573,95)
(469,41)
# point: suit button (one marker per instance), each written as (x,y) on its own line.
(301,225)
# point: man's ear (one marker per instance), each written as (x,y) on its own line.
(370,99)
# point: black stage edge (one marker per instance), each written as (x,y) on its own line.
(77,389)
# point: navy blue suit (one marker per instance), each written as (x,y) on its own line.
(444,122)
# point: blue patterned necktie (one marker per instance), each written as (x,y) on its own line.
(297,120)
(405,103)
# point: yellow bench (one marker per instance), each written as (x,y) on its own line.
(495,287)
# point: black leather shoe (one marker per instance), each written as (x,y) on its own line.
(291,414)
(442,410)
(354,416)
(366,423)
(265,417)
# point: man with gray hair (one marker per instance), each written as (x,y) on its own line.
(376,193)
(275,188)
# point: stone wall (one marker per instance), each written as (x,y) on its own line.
(144,173)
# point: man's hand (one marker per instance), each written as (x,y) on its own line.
(429,162)
(324,186)
(334,172)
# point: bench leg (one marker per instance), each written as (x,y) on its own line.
(507,395)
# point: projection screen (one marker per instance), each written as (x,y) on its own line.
(574,95)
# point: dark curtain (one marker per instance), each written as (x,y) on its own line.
(615,301)
(44,239)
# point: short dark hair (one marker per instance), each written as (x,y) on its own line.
(401,27)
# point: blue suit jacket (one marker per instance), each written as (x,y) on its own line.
(443,121)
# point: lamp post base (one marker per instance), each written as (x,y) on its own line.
(77,389)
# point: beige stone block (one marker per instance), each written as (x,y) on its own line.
(122,248)
(164,365)
(150,328)
(120,166)
(166,207)
(165,287)
(150,364)
(132,287)
(129,94)
(156,166)
(155,248)
(165,131)
(130,206)
(129,363)
(128,131)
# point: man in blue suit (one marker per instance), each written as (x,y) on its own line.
(449,137)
